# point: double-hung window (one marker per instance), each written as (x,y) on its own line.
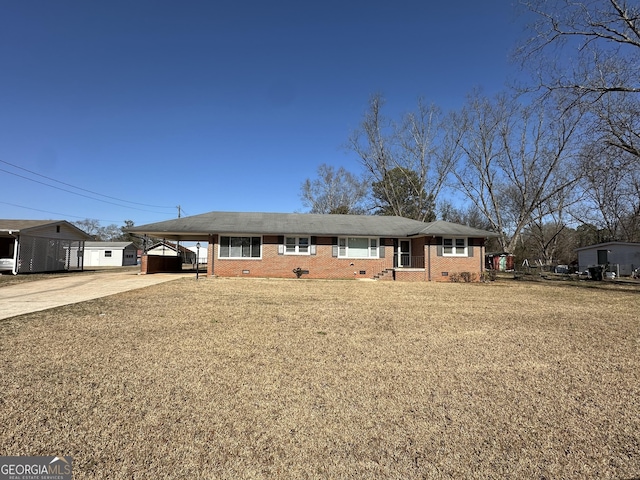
(240,247)
(357,247)
(454,247)
(296,246)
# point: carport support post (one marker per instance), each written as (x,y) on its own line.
(197,259)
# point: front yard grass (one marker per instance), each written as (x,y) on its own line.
(300,379)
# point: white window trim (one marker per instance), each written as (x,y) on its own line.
(297,245)
(456,249)
(249,235)
(369,247)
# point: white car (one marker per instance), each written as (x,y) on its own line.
(6,264)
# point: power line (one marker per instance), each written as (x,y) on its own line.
(73,186)
(76,193)
(64,215)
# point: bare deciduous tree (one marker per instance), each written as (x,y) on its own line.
(611,198)
(334,191)
(387,148)
(110,233)
(470,215)
(590,50)
(90,226)
(515,162)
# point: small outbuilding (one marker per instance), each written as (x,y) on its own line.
(35,246)
(169,249)
(500,262)
(110,254)
(619,257)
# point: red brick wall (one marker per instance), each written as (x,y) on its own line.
(324,265)
(441,265)
(411,275)
(320,265)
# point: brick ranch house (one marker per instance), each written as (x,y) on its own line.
(286,245)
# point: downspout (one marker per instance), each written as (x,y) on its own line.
(429,258)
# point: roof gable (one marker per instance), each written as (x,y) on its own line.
(25,227)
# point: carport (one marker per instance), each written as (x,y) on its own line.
(36,246)
(177,231)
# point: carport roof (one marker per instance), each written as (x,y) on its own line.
(18,225)
(23,226)
(197,227)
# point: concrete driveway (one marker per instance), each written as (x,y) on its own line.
(44,294)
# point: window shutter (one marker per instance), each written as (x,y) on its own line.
(470,249)
(334,247)
(312,247)
(438,243)
(224,246)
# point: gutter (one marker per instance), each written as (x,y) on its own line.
(429,256)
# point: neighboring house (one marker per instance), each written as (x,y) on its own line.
(327,246)
(31,246)
(200,252)
(168,249)
(110,254)
(621,257)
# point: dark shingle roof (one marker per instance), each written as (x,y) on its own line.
(17,225)
(301,223)
(442,228)
(107,244)
(24,226)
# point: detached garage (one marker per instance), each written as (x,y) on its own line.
(110,254)
(34,246)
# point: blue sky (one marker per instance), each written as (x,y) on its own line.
(216,105)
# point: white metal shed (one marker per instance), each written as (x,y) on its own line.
(110,254)
(622,257)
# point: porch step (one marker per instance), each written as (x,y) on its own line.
(386,274)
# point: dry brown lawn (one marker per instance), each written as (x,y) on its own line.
(262,379)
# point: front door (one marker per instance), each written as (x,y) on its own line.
(404,253)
